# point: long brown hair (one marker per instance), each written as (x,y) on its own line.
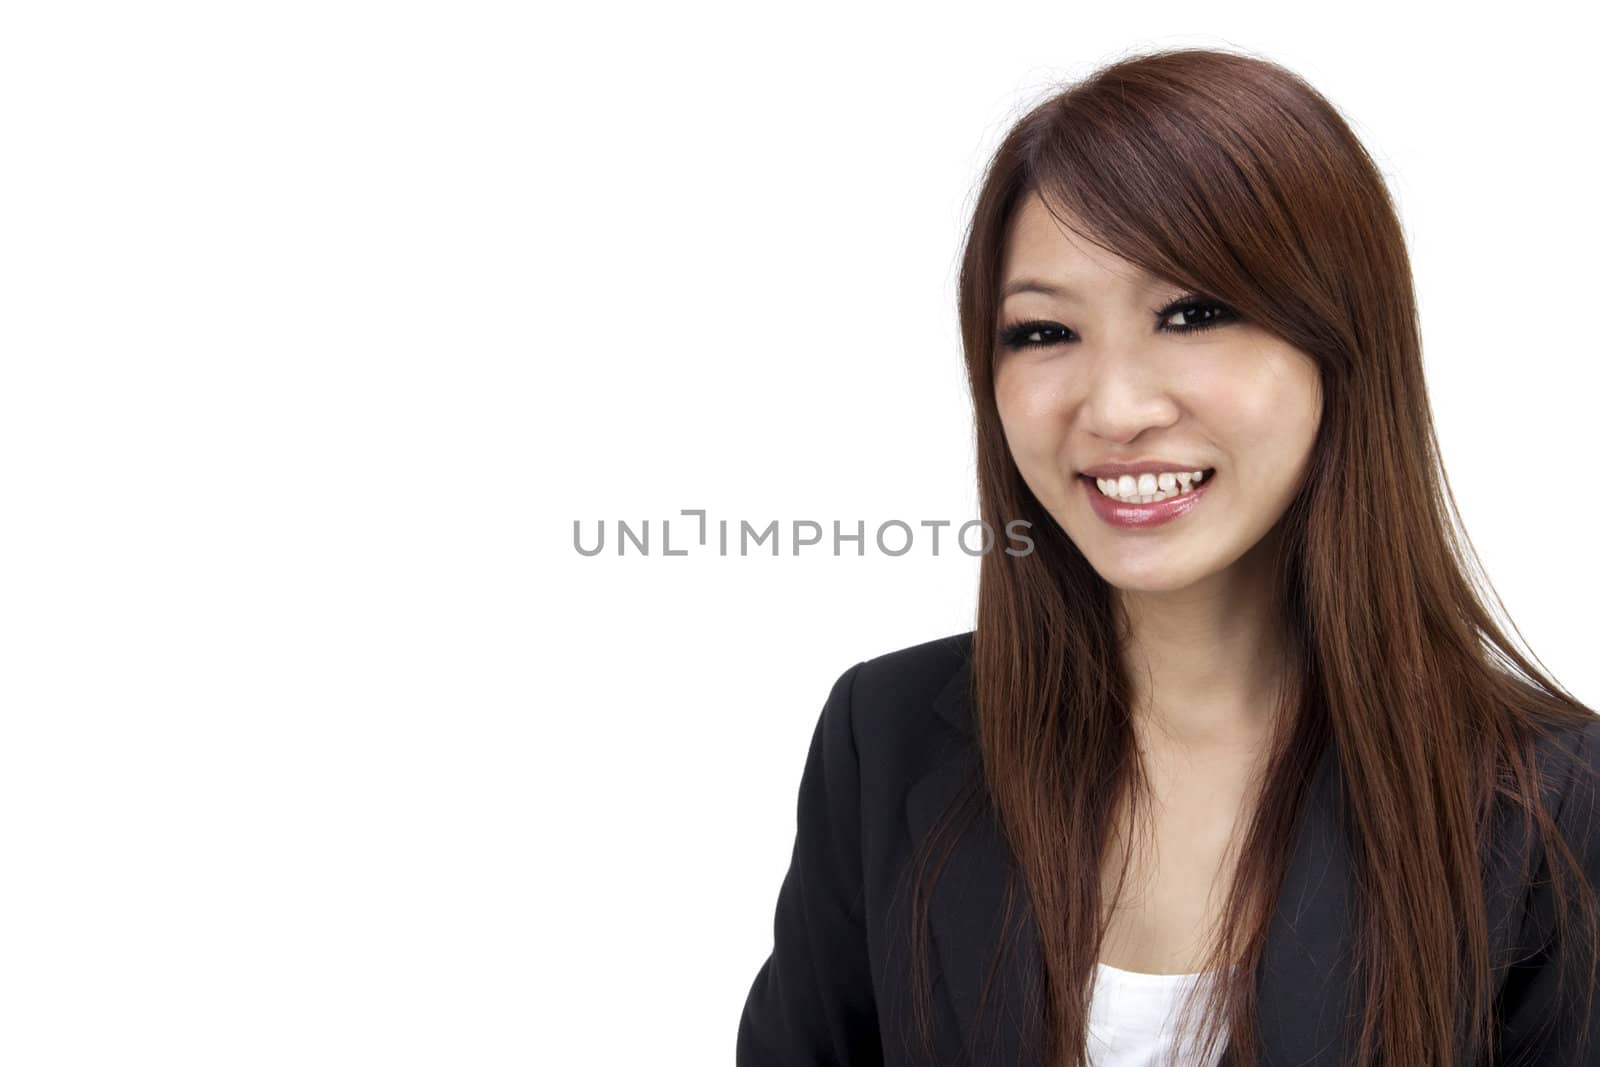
(1230,175)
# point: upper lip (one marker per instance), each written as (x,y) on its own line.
(1145,466)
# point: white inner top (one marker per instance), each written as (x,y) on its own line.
(1133,1018)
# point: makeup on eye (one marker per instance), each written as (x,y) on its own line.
(1038,333)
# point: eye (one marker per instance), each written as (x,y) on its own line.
(1033,334)
(1197,312)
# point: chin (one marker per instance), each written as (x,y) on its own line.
(1159,573)
(1150,585)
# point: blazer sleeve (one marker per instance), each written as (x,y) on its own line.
(1542,1021)
(812,1000)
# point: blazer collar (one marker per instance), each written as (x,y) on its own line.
(1306,963)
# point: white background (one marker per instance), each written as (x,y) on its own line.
(321,323)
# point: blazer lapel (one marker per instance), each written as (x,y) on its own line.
(1305,965)
(1303,1003)
(967,909)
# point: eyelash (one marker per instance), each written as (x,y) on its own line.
(1016,335)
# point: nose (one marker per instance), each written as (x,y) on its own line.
(1123,397)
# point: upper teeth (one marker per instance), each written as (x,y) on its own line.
(1149,487)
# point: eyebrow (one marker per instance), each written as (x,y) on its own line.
(1066,291)
(1034,285)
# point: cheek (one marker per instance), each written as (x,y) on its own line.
(1271,418)
(1029,407)
(1294,413)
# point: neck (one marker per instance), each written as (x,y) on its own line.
(1206,663)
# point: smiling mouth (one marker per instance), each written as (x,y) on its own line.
(1181,487)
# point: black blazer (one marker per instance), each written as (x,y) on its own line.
(891,747)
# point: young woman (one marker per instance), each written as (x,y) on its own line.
(1236,765)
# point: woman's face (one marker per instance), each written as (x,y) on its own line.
(1105,375)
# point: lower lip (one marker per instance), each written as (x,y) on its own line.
(1142,516)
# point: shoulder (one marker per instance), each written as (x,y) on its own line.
(905,708)
(1575,756)
(908,681)
(880,699)
(1537,1021)
(1566,760)
(1567,757)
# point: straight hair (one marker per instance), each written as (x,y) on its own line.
(1232,176)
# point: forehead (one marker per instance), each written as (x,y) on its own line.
(1042,253)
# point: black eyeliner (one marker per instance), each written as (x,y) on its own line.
(1014,336)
